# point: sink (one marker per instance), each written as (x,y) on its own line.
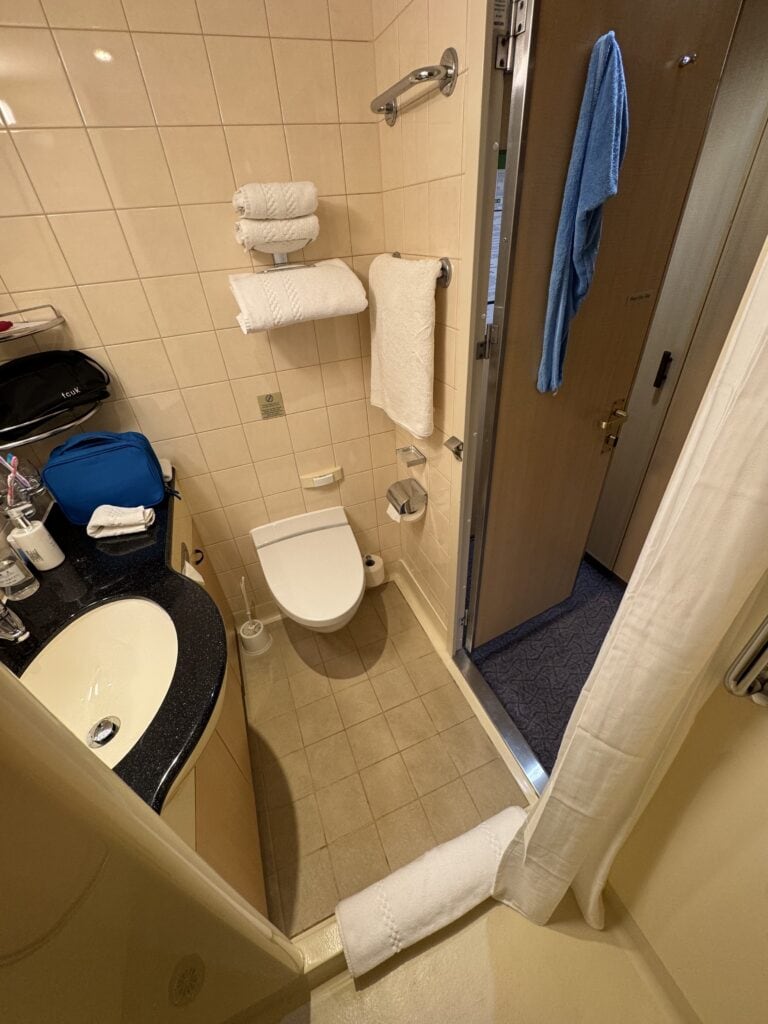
(106,674)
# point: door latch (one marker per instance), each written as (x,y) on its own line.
(455,446)
(613,423)
(615,419)
(490,338)
(661,374)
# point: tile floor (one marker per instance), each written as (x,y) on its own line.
(365,755)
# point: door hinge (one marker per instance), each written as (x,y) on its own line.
(490,338)
(511,17)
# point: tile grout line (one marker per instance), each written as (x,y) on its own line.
(357,646)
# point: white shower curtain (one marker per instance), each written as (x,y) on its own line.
(706,551)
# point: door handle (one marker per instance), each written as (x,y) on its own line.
(616,419)
(748,675)
(663,370)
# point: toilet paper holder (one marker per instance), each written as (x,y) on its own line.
(407,496)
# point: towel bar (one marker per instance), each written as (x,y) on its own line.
(446,270)
(280,261)
(52,431)
(446,73)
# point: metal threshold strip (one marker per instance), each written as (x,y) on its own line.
(506,728)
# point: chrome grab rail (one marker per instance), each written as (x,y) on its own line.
(446,73)
(748,675)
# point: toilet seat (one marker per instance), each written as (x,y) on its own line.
(313,567)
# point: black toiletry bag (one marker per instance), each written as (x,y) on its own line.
(38,389)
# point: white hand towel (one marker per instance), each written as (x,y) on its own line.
(403,340)
(113,521)
(275,200)
(277,298)
(426,895)
(277,235)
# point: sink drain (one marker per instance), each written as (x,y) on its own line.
(103,731)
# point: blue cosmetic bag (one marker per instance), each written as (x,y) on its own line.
(101,468)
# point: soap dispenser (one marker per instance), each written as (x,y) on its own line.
(31,538)
(16,580)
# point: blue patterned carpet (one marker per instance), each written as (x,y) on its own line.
(537,669)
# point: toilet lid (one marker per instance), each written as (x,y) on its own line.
(315,577)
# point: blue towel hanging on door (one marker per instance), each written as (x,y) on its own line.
(593,176)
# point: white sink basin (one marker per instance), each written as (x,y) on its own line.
(115,662)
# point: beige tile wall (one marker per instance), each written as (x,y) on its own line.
(128,125)
(429,163)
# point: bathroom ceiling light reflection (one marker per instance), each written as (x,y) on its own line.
(7,113)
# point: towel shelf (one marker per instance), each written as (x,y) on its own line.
(445,73)
(24,328)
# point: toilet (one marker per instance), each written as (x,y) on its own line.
(313,567)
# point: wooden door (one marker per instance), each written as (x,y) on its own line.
(550,460)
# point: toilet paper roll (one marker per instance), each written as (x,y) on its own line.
(374,571)
(395,516)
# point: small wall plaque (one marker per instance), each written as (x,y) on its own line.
(271,405)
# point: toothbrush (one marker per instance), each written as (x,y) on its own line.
(246,599)
(12,481)
(7,464)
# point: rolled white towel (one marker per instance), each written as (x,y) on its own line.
(275,200)
(113,521)
(425,895)
(277,298)
(277,235)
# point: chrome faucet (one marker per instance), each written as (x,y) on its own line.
(11,626)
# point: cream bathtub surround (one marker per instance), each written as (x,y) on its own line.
(128,126)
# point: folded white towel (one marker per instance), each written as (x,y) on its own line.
(403,340)
(426,895)
(277,235)
(277,298)
(275,200)
(113,521)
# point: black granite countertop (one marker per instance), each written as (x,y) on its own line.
(98,571)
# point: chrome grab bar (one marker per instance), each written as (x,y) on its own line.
(446,73)
(748,675)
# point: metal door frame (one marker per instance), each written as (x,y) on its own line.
(511,48)
(485,373)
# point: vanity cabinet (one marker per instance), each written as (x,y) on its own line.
(213,808)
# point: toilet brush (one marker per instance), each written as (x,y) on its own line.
(254,637)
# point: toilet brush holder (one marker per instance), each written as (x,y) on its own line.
(255,638)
